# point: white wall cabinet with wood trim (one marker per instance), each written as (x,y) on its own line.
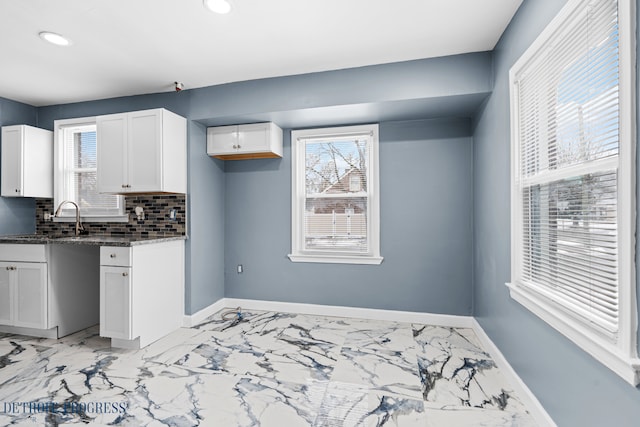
(27,162)
(142,152)
(239,142)
(141,292)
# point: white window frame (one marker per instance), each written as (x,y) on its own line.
(68,212)
(620,356)
(298,197)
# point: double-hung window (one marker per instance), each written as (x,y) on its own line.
(335,195)
(573,192)
(75,174)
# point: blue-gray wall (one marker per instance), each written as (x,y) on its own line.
(239,212)
(575,389)
(426,216)
(17,215)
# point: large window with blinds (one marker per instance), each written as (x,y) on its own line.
(76,173)
(335,203)
(573,180)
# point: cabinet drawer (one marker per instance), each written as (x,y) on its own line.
(23,252)
(116,256)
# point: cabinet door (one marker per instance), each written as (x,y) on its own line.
(6,294)
(30,295)
(222,140)
(115,302)
(145,151)
(11,166)
(253,138)
(112,151)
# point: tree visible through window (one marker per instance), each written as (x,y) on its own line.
(336,207)
(336,204)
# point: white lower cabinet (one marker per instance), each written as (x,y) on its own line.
(30,299)
(115,302)
(23,293)
(6,295)
(141,292)
(46,290)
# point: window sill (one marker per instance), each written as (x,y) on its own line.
(123,218)
(336,259)
(626,366)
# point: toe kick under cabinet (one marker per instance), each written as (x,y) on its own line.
(141,292)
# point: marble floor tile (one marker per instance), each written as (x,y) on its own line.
(455,371)
(260,369)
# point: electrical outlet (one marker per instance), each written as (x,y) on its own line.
(239,269)
(173,215)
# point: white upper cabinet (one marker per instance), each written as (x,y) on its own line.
(237,142)
(142,152)
(27,162)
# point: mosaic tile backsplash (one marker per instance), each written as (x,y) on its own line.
(157,223)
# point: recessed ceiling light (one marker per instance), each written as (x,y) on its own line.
(218,6)
(54,38)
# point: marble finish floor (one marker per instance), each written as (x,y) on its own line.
(268,369)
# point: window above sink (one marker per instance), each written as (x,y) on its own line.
(75,174)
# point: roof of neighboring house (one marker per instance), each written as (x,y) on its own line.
(342,184)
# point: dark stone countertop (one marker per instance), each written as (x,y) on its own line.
(89,239)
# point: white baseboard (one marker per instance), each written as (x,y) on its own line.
(529,400)
(331,310)
(190,320)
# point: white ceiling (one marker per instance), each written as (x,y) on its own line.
(128,47)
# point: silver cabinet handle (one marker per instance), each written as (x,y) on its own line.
(112,256)
(125,274)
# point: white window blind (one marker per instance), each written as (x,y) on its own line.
(335,207)
(569,141)
(573,185)
(79,175)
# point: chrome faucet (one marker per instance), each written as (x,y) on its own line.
(79,227)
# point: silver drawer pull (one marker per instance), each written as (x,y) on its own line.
(125,274)
(112,255)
